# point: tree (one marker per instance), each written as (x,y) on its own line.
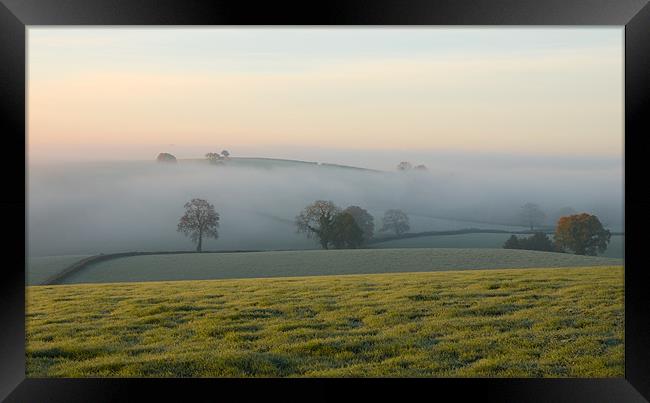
(316,221)
(200,220)
(165,157)
(345,232)
(396,221)
(214,158)
(538,241)
(582,233)
(512,243)
(531,215)
(564,211)
(364,220)
(404,166)
(225,154)
(421,167)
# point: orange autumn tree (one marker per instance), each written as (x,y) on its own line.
(582,233)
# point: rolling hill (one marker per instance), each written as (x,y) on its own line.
(203,266)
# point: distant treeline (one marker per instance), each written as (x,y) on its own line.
(460,232)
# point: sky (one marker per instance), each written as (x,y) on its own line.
(286,92)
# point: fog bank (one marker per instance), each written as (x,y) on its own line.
(104,207)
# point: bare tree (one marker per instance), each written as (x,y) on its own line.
(532,216)
(316,221)
(200,220)
(396,221)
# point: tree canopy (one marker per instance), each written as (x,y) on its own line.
(345,232)
(395,221)
(582,233)
(316,220)
(364,220)
(538,241)
(215,158)
(512,243)
(200,220)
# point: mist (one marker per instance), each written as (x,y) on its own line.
(87,206)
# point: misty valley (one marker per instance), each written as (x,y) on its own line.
(391,202)
(108,207)
(320,269)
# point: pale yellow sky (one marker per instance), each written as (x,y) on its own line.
(548,90)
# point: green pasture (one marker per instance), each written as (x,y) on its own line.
(615,248)
(203,266)
(560,322)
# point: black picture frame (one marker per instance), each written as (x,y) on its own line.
(16,15)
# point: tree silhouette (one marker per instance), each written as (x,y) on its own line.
(364,220)
(396,221)
(538,241)
(345,232)
(512,243)
(404,166)
(531,215)
(214,158)
(200,220)
(316,221)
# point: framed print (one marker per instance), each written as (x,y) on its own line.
(348,199)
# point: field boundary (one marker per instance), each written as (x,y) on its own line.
(84,263)
(465,231)
(88,261)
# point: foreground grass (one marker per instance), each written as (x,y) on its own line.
(204,266)
(496,323)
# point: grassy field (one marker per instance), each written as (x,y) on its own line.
(614,249)
(200,266)
(497,323)
(40,268)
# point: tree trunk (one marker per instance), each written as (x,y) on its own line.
(198,246)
